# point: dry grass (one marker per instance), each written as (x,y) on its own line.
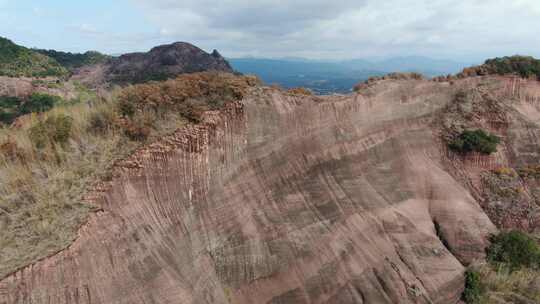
(531,172)
(501,283)
(41,187)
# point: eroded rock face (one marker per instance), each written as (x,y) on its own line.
(279,199)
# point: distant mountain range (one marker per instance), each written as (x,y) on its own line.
(324,77)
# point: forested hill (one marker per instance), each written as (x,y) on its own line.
(18,61)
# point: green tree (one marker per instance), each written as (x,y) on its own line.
(475,141)
(515,249)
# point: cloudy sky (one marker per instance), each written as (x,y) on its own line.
(323,29)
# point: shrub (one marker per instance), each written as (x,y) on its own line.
(11,151)
(7,117)
(13,107)
(38,102)
(505,172)
(137,130)
(474,288)
(192,110)
(9,108)
(53,130)
(515,249)
(475,141)
(404,76)
(125,106)
(102,120)
(9,101)
(300,91)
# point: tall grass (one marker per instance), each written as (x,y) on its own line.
(502,283)
(41,188)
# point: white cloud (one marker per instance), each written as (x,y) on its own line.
(355,28)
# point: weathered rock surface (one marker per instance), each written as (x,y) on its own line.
(280,199)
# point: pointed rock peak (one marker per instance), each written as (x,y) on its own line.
(216,54)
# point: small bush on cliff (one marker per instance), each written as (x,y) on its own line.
(139,127)
(125,106)
(474,287)
(11,151)
(54,130)
(102,120)
(38,102)
(475,141)
(514,249)
(9,109)
(300,91)
(13,107)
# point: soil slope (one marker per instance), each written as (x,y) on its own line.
(291,199)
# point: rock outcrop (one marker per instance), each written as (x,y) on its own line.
(281,198)
(162,62)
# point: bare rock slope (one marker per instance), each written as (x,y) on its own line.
(286,199)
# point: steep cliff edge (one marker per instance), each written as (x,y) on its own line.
(282,199)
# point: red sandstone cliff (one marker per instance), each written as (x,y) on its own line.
(286,199)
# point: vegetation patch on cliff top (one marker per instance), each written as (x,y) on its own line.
(523,66)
